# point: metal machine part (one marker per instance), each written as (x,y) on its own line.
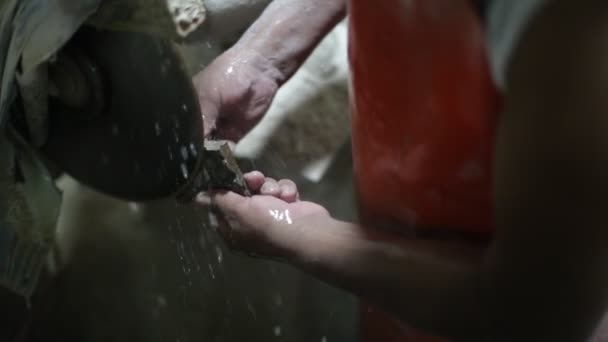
(125,119)
(114,109)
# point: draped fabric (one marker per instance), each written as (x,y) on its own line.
(31,31)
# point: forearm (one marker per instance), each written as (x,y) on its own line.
(428,283)
(288,31)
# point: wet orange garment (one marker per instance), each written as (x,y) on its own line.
(424,113)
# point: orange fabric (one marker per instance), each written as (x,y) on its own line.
(423,110)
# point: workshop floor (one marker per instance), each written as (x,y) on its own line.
(158,272)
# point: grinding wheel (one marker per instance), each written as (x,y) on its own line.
(124,116)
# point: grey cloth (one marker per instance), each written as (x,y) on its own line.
(505,21)
(28,215)
(31,31)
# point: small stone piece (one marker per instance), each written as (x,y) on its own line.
(187,15)
(219,171)
(173,19)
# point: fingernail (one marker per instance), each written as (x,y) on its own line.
(203,199)
(286,190)
(269,187)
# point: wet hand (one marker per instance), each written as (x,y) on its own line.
(235,91)
(267,223)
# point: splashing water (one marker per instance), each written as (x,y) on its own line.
(220,256)
(170,152)
(193,150)
(184,151)
(184,171)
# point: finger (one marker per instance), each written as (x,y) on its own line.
(229,203)
(210,132)
(203,199)
(232,216)
(217,219)
(289,190)
(254,180)
(270,187)
(226,227)
(209,111)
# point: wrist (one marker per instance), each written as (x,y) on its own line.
(305,242)
(244,52)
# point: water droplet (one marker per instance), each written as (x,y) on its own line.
(251,308)
(115,129)
(211,272)
(323,339)
(278,299)
(184,151)
(277,330)
(134,207)
(185,107)
(157,128)
(184,170)
(170,152)
(185,269)
(220,256)
(193,150)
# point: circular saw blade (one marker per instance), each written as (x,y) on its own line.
(147,139)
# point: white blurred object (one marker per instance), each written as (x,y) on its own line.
(228,19)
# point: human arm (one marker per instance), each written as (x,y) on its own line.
(237,88)
(544,276)
(421,280)
(289,30)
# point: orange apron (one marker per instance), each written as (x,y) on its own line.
(423,109)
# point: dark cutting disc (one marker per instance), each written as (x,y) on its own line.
(137,132)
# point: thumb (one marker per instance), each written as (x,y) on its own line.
(210,117)
(230,203)
(208,101)
(209,106)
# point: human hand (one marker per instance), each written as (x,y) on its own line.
(235,91)
(268,223)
